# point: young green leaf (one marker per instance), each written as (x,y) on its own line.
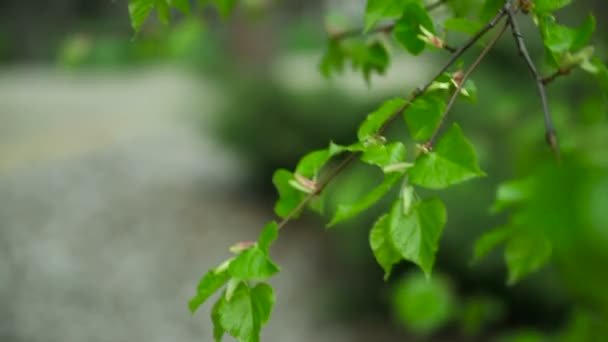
(382,247)
(453,161)
(139,10)
(384,156)
(310,165)
(511,193)
(423,116)
(377,60)
(289,197)
(268,236)
(407,29)
(557,38)
(469,90)
(246,312)
(370,127)
(526,253)
(377,10)
(490,240)
(216,314)
(583,34)
(333,59)
(416,235)
(544,6)
(252,264)
(346,211)
(211,282)
(163,11)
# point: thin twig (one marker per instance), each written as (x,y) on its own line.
(429,144)
(555,75)
(550,133)
(411,98)
(387,28)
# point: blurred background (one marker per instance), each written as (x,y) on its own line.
(129,164)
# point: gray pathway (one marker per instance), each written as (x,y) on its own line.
(112,207)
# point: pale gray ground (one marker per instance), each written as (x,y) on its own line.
(112,206)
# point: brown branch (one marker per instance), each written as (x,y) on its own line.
(550,132)
(411,98)
(429,144)
(387,28)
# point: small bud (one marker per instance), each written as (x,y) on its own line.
(526,6)
(431,39)
(303,184)
(241,246)
(457,77)
(424,148)
(398,167)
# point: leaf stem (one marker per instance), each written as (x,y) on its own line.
(550,132)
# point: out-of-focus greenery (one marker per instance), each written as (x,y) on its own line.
(188,42)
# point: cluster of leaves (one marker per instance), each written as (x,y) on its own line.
(246,302)
(412,227)
(139,10)
(412,30)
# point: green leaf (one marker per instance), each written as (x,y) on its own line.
(374,121)
(490,8)
(249,309)
(310,165)
(333,59)
(416,235)
(556,38)
(289,197)
(182,5)
(407,29)
(469,90)
(512,193)
(268,236)
(463,25)
(346,211)
(216,314)
(211,282)
(382,247)
(526,253)
(225,7)
(453,161)
(490,240)
(384,156)
(544,6)
(139,10)
(583,34)
(423,305)
(377,10)
(423,116)
(377,60)
(163,11)
(252,264)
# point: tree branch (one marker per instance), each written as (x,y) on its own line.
(411,98)
(550,133)
(555,75)
(387,28)
(429,144)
